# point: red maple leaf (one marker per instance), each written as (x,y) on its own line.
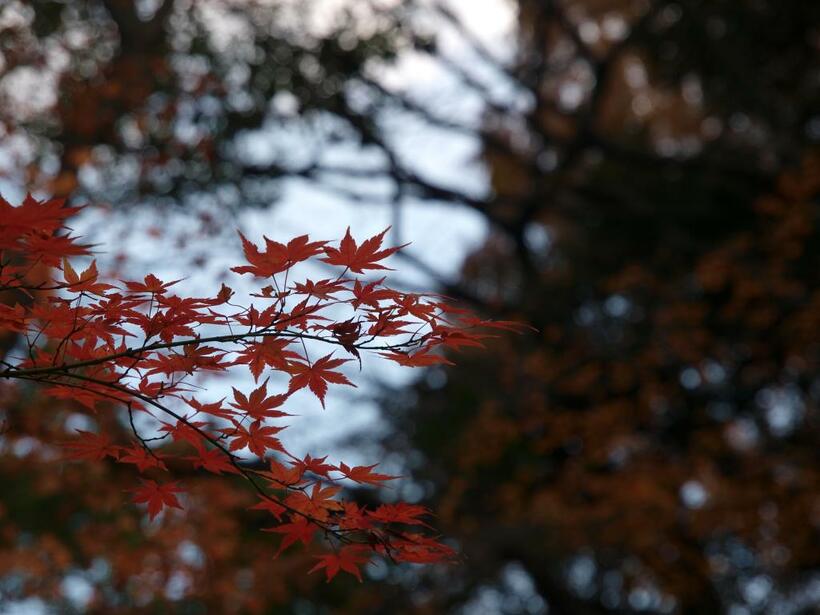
(213,460)
(280,475)
(50,249)
(32,216)
(400,513)
(270,506)
(318,504)
(141,458)
(419,549)
(90,446)
(323,289)
(186,431)
(358,258)
(87,398)
(316,465)
(85,281)
(259,438)
(354,517)
(370,294)
(298,530)
(13,318)
(151,284)
(278,256)
(214,409)
(422,358)
(317,375)
(157,496)
(269,352)
(364,474)
(348,559)
(258,405)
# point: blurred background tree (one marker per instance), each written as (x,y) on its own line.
(655,212)
(652,198)
(113,100)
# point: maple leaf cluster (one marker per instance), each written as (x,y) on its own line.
(135,345)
